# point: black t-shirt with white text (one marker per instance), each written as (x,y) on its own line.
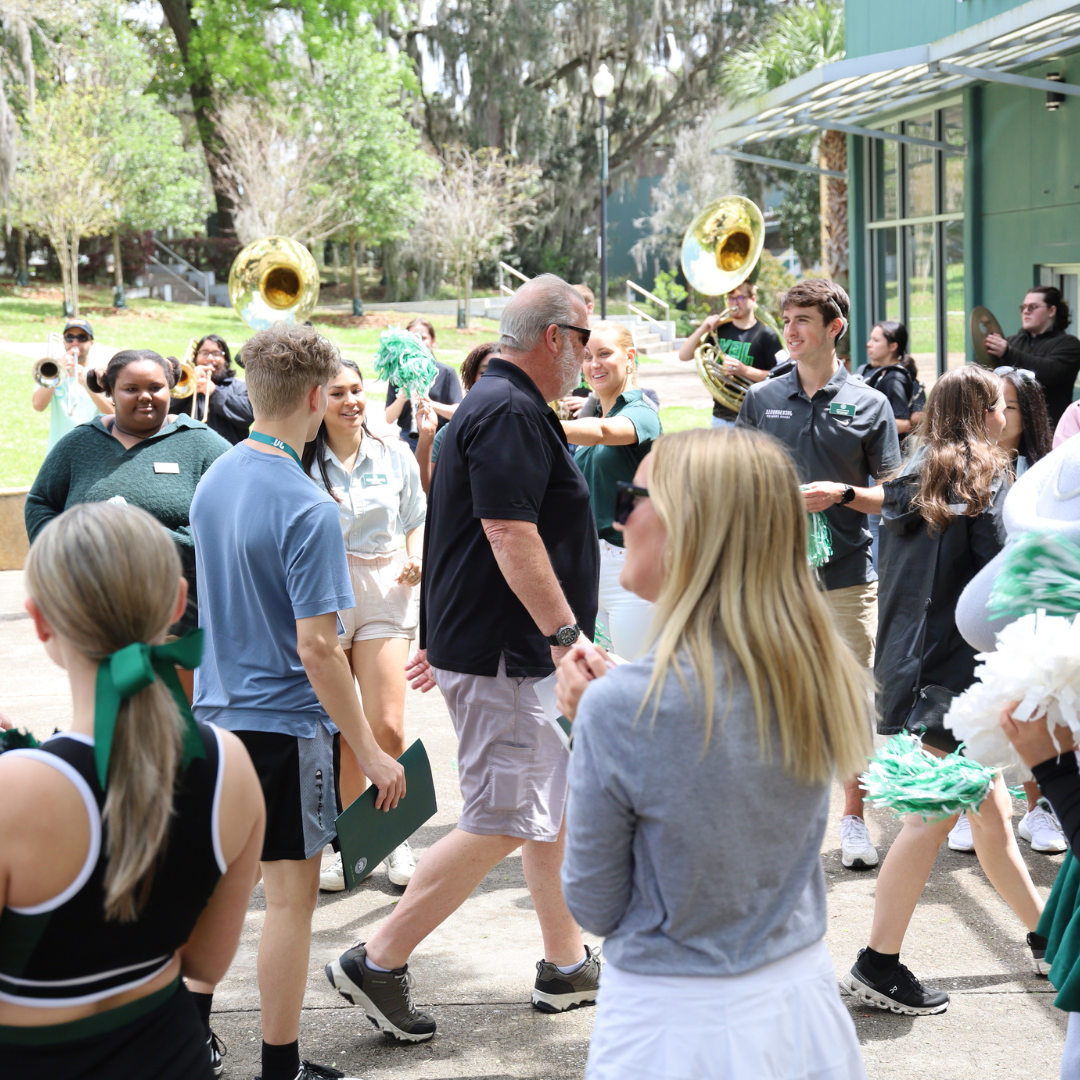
(756,347)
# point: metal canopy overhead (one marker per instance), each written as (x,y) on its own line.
(849,93)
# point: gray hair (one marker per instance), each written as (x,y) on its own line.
(535,306)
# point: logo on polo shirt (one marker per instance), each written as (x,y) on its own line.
(777,414)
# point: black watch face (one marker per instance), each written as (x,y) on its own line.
(567,635)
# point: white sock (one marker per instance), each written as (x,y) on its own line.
(573,967)
(375,967)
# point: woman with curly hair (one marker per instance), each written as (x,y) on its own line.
(940,525)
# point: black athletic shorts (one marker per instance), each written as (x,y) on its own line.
(167,1043)
(299,778)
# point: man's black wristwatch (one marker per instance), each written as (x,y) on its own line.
(848,496)
(565,636)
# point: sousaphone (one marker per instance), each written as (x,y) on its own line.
(983,324)
(719,252)
(274,280)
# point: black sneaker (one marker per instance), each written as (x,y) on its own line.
(1037,945)
(217,1052)
(310,1071)
(555,992)
(898,992)
(383,995)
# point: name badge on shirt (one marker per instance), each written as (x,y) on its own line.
(839,409)
(167,466)
(377,479)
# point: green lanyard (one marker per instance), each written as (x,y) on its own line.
(258,436)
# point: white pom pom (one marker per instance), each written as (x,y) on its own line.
(1037,663)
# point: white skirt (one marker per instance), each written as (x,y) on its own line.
(784,1021)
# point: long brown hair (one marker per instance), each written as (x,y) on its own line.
(961,464)
(106,576)
(726,580)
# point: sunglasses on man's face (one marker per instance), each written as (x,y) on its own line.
(72,338)
(626,497)
(583,331)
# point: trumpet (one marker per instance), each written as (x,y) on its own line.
(185,385)
(49,371)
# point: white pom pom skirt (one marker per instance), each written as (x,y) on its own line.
(784,1021)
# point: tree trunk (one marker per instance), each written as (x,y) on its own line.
(200,86)
(834,208)
(118,261)
(354,270)
(73,246)
(468,292)
(335,247)
(22,275)
(60,246)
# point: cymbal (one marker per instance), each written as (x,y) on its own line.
(983,324)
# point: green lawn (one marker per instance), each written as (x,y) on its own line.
(683,417)
(166,328)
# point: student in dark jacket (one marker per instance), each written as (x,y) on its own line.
(891,370)
(221,398)
(140,456)
(1043,347)
(941,523)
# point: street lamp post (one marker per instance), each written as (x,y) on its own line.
(603,83)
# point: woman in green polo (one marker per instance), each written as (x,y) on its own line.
(610,448)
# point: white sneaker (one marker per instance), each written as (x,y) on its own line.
(856,850)
(1042,831)
(960,835)
(332,878)
(401,864)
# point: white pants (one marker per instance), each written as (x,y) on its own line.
(626,617)
(784,1021)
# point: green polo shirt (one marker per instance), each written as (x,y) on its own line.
(604,466)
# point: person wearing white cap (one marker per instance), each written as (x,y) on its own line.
(72,401)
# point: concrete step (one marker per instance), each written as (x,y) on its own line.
(656,348)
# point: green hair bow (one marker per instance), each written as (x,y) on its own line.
(134,668)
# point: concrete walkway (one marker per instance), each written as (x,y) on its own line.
(474,974)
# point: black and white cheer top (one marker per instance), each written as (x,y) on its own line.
(63,951)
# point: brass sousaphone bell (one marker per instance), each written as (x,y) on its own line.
(719,252)
(274,280)
(983,324)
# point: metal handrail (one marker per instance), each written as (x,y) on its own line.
(203,292)
(505,290)
(648,295)
(644,315)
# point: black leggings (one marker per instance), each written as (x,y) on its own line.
(168,1043)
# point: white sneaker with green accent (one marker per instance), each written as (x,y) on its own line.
(401,864)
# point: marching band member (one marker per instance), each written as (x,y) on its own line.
(72,401)
(220,398)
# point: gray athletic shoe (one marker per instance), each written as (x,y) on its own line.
(383,995)
(555,992)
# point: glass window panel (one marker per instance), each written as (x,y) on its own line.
(952,131)
(922,315)
(919,169)
(886,275)
(885,157)
(955,322)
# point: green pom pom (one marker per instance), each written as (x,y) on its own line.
(17,739)
(908,780)
(1041,572)
(405,361)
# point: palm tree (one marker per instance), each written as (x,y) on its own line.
(800,38)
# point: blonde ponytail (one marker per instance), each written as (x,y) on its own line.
(106,576)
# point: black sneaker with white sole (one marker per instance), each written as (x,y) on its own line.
(217,1052)
(310,1071)
(1037,944)
(383,995)
(898,991)
(555,992)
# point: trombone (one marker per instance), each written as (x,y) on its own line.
(186,383)
(720,249)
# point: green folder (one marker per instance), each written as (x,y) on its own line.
(368,835)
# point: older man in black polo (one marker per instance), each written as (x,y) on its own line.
(840,432)
(511,562)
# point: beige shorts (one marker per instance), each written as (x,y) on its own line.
(511,765)
(384,609)
(855,611)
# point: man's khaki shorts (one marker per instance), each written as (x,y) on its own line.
(511,765)
(855,611)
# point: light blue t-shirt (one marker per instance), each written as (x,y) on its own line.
(269,550)
(71,405)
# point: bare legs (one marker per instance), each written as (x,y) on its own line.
(907,867)
(447,876)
